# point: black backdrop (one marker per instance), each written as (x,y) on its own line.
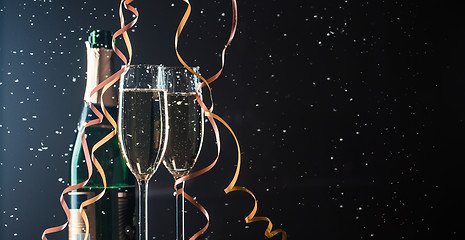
(349,114)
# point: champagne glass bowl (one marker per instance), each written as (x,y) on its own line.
(185,133)
(142,128)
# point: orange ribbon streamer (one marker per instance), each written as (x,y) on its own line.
(211,117)
(105,85)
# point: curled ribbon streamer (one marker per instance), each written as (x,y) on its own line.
(231,188)
(208,168)
(81,184)
(105,85)
(211,116)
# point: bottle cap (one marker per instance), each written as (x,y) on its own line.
(100,38)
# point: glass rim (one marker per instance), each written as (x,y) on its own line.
(141,64)
(196,68)
(178,67)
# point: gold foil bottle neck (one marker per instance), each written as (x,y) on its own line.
(99,61)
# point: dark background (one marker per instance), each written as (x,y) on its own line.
(349,114)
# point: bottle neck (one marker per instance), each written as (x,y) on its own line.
(98,69)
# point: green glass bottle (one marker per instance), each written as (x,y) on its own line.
(114,216)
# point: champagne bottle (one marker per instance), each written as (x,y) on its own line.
(113,216)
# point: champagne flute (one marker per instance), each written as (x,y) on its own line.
(142,128)
(185,133)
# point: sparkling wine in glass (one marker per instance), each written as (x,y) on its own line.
(142,128)
(185,133)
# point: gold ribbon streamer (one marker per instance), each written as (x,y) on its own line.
(105,85)
(211,116)
(231,188)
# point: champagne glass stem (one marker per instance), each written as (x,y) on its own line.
(143,227)
(180,212)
